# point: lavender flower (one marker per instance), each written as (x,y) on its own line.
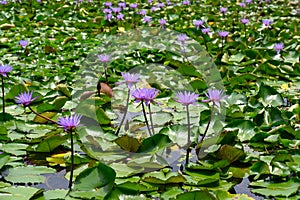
(248,1)
(163,23)
(223,10)
(186,2)
(120,16)
(205,30)
(160,5)
(4,69)
(154,9)
(266,22)
(130,79)
(122,5)
(106,10)
(108,17)
(243,5)
(214,96)
(186,98)
(143,12)
(24,43)
(244,21)
(144,94)
(198,23)
(108,4)
(69,122)
(223,33)
(116,10)
(25,98)
(147,19)
(278,47)
(133,5)
(182,38)
(104,58)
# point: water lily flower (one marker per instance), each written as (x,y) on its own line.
(147,19)
(215,96)
(133,5)
(160,5)
(186,98)
(144,94)
(198,23)
(244,21)
(69,122)
(122,5)
(143,12)
(120,16)
(278,47)
(182,38)
(163,23)
(248,1)
(104,58)
(106,10)
(186,2)
(4,69)
(205,30)
(130,78)
(24,43)
(25,98)
(223,10)
(242,4)
(266,22)
(108,4)
(154,9)
(223,33)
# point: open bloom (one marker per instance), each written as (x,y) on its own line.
(104,58)
(130,79)
(223,33)
(186,98)
(223,10)
(69,122)
(214,96)
(24,43)
(4,69)
(244,21)
(198,23)
(205,30)
(182,38)
(25,98)
(163,23)
(278,47)
(144,94)
(147,19)
(266,22)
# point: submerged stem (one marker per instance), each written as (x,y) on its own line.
(42,116)
(151,120)
(189,136)
(3,97)
(72,161)
(126,109)
(146,121)
(210,118)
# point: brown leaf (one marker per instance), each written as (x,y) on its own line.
(106,89)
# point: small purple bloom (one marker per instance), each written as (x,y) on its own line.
(243,5)
(116,10)
(205,30)
(186,98)
(278,47)
(120,16)
(182,38)
(186,2)
(25,98)
(215,96)
(24,43)
(4,69)
(163,23)
(244,21)
(160,5)
(4,2)
(266,22)
(108,17)
(248,1)
(104,58)
(122,5)
(147,19)
(154,8)
(108,4)
(133,5)
(106,10)
(69,122)
(198,23)
(223,33)
(223,10)
(144,94)
(130,79)
(143,12)
(149,1)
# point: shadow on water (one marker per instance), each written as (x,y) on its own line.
(54,181)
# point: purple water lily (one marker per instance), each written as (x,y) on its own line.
(4,69)
(198,23)
(69,122)
(144,94)
(223,33)
(25,98)
(104,58)
(186,98)
(130,78)
(278,47)
(24,43)
(215,96)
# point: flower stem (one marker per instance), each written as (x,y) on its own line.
(210,118)
(189,135)
(3,98)
(42,116)
(146,121)
(72,161)
(105,73)
(126,110)
(151,120)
